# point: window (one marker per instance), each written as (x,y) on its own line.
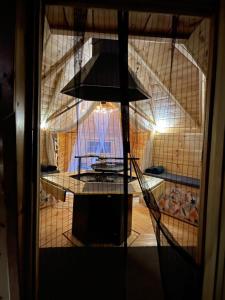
(92,146)
(97,147)
(107,148)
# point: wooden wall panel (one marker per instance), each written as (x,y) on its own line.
(66,141)
(141,145)
(198,44)
(183,81)
(43,152)
(180,154)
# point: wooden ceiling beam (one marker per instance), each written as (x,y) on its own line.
(63,110)
(54,97)
(138,56)
(198,44)
(184,7)
(143,115)
(187,55)
(70,31)
(62,61)
(202,91)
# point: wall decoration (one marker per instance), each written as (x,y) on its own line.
(182,203)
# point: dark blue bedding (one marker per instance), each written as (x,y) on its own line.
(189,181)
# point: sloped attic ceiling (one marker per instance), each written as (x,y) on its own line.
(63,20)
(175,95)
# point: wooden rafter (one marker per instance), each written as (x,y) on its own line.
(144,88)
(54,97)
(153,75)
(143,115)
(63,60)
(63,110)
(186,54)
(202,88)
(70,31)
(198,45)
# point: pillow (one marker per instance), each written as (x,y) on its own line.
(155,170)
(48,168)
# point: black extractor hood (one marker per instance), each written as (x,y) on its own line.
(99,79)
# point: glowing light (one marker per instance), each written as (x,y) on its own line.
(44,125)
(161,126)
(105,108)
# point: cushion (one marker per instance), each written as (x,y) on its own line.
(155,170)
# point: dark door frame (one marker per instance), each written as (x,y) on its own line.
(27,107)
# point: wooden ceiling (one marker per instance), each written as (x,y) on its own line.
(141,24)
(169,63)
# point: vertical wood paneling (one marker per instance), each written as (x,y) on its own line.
(179,153)
(66,141)
(43,152)
(141,141)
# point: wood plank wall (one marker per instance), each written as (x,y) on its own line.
(43,151)
(141,145)
(179,153)
(66,141)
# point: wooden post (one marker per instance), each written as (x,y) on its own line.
(214,246)
(123,62)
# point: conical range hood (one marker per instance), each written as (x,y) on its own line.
(99,79)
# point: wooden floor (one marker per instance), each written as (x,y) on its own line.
(56,224)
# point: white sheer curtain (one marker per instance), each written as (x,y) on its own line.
(101,124)
(103,130)
(101,121)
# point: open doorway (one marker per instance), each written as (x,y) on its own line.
(81,144)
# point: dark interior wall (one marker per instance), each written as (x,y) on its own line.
(214,234)
(19,50)
(7,132)
(28,39)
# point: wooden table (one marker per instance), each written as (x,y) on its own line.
(63,180)
(98,209)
